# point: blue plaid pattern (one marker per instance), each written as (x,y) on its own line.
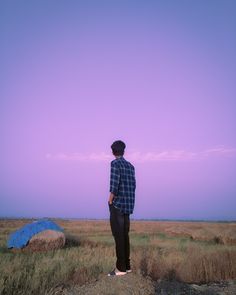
(123,185)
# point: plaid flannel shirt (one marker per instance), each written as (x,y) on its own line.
(123,185)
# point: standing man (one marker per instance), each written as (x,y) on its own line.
(121,205)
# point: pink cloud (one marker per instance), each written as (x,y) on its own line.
(136,156)
(219,151)
(79,156)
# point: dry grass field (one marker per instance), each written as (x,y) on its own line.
(191,252)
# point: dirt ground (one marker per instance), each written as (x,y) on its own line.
(177,288)
(133,284)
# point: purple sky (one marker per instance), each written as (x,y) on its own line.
(77,75)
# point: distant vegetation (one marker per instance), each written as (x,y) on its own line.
(185,251)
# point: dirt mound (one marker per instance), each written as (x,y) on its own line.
(130,284)
(133,284)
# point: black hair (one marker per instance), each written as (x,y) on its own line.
(118,148)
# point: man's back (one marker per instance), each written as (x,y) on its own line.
(123,184)
(121,205)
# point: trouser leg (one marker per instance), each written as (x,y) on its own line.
(117,222)
(127,243)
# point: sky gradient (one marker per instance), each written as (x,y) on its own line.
(77,75)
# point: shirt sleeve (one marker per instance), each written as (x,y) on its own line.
(114,179)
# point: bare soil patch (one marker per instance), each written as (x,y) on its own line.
(180,288)
(133,284)
(130,284)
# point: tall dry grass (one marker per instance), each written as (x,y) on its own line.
(159,250)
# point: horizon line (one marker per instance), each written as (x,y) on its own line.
(134,219)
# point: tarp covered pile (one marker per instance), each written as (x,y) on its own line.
(22,236)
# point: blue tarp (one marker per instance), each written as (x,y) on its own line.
(20,238)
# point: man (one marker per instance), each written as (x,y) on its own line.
(121,205)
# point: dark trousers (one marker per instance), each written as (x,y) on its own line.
(120,224)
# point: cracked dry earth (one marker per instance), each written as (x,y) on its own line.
(134,284)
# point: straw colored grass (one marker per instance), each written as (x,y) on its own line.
(159,250)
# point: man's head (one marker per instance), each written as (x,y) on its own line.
(118,148)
